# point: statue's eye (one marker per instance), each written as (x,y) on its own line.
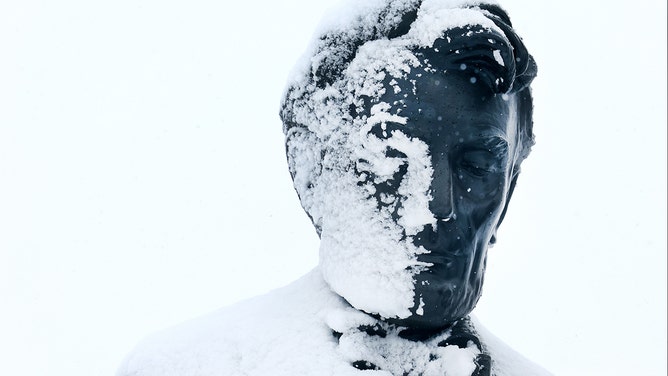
(479,163)
(474,169)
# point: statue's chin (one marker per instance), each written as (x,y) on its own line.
(435,311)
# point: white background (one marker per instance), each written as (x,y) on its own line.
(143,180)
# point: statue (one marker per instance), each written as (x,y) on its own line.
(405,132)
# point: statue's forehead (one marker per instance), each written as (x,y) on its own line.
(433,103)
(422,91)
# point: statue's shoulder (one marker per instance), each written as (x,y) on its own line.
(272,334)
(505,360)
(191,348)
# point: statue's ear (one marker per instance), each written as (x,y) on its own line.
(509,195)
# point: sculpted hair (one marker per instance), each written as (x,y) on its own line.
(491,51)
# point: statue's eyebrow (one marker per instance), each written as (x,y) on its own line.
(495,144)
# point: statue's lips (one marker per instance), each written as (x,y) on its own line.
(440,256)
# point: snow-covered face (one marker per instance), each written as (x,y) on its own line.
(410,224)
(471,136)
(402,155)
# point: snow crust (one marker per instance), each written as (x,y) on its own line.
(290,331)
(366,255)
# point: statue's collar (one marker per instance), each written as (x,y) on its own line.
(371,344)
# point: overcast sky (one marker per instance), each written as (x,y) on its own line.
(143,180)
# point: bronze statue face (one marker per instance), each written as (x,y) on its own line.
(471,135)
(404,142)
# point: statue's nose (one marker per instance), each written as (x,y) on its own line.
(442,203)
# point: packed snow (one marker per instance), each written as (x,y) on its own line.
(306,329)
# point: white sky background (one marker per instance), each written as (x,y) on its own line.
(143,180)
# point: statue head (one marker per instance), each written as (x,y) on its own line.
(405,133)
